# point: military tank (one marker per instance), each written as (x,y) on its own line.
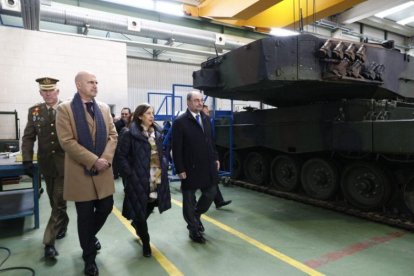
(341,122)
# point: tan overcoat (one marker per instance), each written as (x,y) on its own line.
(78,185)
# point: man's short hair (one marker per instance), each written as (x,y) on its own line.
(129,109)
(191,93)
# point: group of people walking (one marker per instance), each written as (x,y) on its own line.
(77,141)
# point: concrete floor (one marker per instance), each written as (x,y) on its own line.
(256,235)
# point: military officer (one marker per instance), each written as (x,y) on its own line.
(41,125)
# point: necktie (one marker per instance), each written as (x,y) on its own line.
(89,109)
(199,121)
(51,114)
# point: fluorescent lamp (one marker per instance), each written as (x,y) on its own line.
(394,9)
(406,20)
(144,4)
(282,32)
(160,6)
(170,8)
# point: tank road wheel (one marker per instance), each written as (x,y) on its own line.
(285,173)
(237,164)
(365,186)
(256,167)
(319,178)
(409,195)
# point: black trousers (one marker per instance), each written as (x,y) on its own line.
(141,226)
(193,209)
(219,197)
(91,217)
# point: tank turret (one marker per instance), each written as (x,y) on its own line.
(284,71)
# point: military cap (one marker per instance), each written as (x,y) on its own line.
(47,83)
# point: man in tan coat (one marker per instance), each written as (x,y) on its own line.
(41,125)
(88,136)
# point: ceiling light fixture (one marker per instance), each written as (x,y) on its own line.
(406,20)
(394,9)
(282,32)
(160,6)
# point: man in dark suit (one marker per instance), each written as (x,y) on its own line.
(122,123)
(196,162)
(218,200)
(41,124)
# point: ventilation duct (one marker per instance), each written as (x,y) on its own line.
(134,26)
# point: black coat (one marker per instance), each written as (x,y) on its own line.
(194,151)
(134,155)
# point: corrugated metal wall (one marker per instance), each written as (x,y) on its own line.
(146,76)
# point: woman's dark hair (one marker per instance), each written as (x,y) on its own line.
(139,111)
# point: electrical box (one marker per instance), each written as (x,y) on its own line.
(9,133)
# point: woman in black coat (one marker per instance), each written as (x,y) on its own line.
(142,163)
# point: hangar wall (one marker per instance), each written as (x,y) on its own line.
(26,55)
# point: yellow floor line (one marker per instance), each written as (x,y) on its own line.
(308,270)
(169,267)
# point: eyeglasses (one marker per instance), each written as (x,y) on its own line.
(198,101)
(126,114)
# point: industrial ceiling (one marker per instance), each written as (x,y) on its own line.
(131,21)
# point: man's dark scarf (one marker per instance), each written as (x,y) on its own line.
(82,128)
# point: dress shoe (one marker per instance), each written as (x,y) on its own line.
(197,237)
(200,227)
(97,244)
(61,234)
(91,269)
(50,252)
(223,203)
(146,249)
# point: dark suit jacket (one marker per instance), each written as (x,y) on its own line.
(194,151)
(119,125)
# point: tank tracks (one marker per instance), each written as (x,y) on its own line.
(340,206)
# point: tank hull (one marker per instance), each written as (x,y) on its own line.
(360,151)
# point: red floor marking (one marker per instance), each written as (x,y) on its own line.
(333,256)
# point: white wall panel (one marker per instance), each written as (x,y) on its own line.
(146,76)
(374,33)
(27,55)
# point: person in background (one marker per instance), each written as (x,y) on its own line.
(124,121)
(166,128)
(116,157)
(88,136)
(218,199)
(120,124)
(196,163)
(166,140)
(41,124)
(142,163)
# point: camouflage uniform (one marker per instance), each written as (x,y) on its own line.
(41,124)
